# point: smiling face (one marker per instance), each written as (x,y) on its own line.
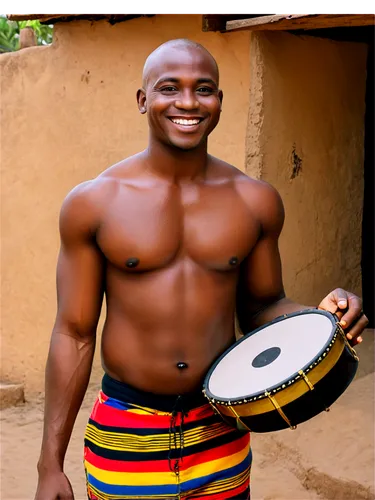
(180,95)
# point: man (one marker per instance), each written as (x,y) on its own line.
(175,238)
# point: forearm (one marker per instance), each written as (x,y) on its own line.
(67,376)
(275,309)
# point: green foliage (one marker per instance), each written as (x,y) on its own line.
(10,33)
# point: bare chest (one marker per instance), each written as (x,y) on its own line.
(144,230)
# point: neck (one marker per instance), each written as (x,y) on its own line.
(176,164)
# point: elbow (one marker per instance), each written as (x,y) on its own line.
(85,334)
(243,321)
(248,316)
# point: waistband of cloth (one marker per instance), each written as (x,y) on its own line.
(161,402)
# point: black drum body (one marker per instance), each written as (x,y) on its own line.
(283,373)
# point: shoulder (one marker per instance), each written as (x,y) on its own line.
(248,188)
(263,201)
(258,192)
(88,194)
(88,200)
(79,212)
(261,198)
(84,206)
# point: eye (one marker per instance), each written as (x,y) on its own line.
(168,88)
(205,90)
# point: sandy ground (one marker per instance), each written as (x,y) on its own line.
(329,457)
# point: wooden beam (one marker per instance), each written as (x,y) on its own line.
(40,17)
(213,23)
(54,18)
(254,23)
(300,21)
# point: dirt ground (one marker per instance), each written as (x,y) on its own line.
(329,457)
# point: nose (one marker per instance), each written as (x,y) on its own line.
(187,100)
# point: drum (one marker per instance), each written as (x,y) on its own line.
(282,373)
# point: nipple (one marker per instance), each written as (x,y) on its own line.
(132,262)
(233,261)
(181,365)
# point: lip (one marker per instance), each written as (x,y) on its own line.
(185,117)
(186,128)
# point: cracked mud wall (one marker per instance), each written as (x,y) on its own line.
(306,137)
(69,111)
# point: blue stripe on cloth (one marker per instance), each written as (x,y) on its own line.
(112,489)
(217,476)
(119,405)
(165,489)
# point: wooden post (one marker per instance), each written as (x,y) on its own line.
(27,38)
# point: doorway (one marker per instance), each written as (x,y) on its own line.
(368,222)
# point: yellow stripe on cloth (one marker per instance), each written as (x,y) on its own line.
(152,442)
(160,478)
(131,478)
(213,466)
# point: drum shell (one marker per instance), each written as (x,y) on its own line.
(298,399)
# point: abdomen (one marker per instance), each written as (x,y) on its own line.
(157,319)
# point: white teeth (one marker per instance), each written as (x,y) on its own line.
(180,121)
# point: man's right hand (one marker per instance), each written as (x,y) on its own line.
(54,486)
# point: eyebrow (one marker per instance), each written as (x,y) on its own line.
(177,80)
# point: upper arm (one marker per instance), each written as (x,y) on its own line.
(260,280)
(80,267)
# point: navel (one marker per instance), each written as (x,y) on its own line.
(233,261)
(132,262)
(181,365)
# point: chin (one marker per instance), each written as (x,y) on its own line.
(183,147)
(186,146)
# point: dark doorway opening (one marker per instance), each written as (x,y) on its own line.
(368,223)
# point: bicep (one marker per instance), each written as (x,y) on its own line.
(260,281)
(80,269)
(261,273)
(79,281)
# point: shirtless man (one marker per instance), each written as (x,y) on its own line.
(176,240)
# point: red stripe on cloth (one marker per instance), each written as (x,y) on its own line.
(203,411)
(114,417)
(163,465)
(124,466)
(222,451)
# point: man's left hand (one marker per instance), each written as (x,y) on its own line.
(348,308)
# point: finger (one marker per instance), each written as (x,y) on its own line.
(341,297)
(67,495)
(353,312)
(357,329)
(329,303)
(339,314)
(328,306)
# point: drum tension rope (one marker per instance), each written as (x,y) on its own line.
(280,411)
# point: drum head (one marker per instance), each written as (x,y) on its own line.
(271,355)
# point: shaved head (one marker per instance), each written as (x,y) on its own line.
(180,94)
(180,44)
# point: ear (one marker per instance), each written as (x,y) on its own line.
(141,99)
(220,95)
